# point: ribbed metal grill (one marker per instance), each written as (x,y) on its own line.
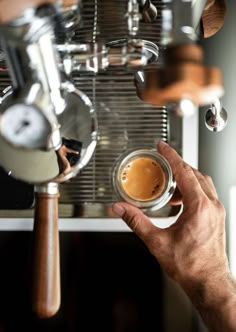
(123,122)
(104,20)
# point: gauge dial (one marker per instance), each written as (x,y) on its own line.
(25,126)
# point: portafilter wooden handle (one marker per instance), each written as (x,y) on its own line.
(46,256)
(183,75)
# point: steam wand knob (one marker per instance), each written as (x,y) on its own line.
(216,117)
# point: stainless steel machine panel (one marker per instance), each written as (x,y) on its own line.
(124,121)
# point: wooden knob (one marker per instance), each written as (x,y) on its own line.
(69,3)
(213,17)
(182,76)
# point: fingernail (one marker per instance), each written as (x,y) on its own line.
(163,143)
(118,209)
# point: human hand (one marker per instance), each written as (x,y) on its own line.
(192,250)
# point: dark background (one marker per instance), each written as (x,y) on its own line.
(15,194)
(109,283)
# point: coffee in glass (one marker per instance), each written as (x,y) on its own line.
(144,179)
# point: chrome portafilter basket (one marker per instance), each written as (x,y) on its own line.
(77,124)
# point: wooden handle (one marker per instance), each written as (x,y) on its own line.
(69,3)
(213,17)
(183,75)
(46,261)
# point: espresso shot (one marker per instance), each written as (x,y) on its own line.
(143,178)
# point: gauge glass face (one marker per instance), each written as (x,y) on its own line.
(26,126)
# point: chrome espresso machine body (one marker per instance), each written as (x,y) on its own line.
(81,82)
(126,60)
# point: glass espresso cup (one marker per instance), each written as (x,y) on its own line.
(143,178)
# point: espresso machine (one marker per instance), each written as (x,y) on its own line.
(82,81)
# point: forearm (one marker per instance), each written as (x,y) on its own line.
(215,301)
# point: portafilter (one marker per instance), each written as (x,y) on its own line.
(46,169)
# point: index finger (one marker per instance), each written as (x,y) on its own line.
(186,180)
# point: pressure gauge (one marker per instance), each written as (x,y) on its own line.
(25,126)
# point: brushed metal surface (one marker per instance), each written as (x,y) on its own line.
(123,122)
(104,20)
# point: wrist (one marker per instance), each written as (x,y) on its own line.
(214,290)
(207,278)
(215,297)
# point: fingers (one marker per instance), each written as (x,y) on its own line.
(177,198)
(186,180)
(211,183)
(206,184)
(135,219)
(205,181)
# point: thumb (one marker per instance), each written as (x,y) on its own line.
(135,219)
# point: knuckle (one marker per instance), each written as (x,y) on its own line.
(208,178)
(165,147)
(182,166)
(196,171)
(186,166)
(220,207)
(201,203)
(204,204)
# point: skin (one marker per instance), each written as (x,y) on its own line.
(62,153)
(192,251)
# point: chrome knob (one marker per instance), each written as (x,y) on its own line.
(216,117)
